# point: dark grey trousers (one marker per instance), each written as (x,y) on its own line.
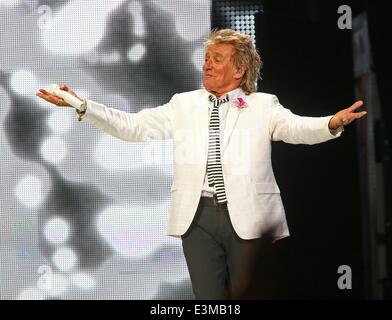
(220,263)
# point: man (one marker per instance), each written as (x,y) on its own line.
(224,195)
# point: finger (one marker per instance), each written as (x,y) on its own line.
(65,88)
(356,105)
(47,94)
(73,93)
(360,114)
(356,115)
(46,98)
(43,96)
(60,102)
(52,99)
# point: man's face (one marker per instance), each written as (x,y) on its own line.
(220,74)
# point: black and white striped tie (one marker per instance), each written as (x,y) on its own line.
(214,165)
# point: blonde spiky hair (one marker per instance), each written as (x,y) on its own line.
(245,55)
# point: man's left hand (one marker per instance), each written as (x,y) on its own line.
(346,116)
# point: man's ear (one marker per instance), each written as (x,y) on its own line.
(240,72)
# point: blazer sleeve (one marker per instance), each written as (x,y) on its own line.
(145,125)
(291,128)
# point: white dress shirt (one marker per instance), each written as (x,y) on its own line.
(208,191)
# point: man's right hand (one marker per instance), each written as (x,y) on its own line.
(56,100)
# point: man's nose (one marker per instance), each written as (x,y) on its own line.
(207,65)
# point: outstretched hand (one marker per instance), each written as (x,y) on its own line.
(346,116)
(56,100)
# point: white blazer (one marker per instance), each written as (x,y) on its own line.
(253,196)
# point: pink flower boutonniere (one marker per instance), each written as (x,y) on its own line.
(240,103)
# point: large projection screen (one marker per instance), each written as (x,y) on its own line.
(83,214)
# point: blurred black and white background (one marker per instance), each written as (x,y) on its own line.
(83,214)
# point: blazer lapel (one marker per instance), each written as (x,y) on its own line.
(233,114)
(202,119)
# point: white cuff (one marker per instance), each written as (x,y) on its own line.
(82,110)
